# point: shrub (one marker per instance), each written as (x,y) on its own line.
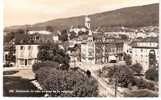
(137,68)
(62,80)
(152,74)
(143,84)
(39,65)
(141,93)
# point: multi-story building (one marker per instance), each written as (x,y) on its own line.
(141,52)
(88,51)
(97,48)
(27,47)
(26,54)
(108,46)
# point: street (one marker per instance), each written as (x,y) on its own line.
(105,90)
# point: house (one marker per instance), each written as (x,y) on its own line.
(141,51)
(26,55)
(27,47)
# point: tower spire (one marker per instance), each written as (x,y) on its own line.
(87,22)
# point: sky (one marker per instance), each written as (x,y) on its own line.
(20,12)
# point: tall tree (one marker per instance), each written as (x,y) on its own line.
(52,52)
(64,35)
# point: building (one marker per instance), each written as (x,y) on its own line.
(108,46)
(26,55)
(27,47)
(39,32)
(97,48)
(141,52)
(88,46)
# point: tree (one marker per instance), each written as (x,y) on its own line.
(128,59)
(51,52)
(72,35)
(9,36)
(64,35)
(143,83)
(137,68)
(20,31)
(152,74)
(123,36)
(123,74)
(74,81)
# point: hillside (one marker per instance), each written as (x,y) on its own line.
(138,16)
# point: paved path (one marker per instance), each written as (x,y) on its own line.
(24,73)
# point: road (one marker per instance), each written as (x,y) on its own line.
(105,90)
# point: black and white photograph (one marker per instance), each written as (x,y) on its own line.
(80,48)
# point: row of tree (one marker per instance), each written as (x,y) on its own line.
(129,76)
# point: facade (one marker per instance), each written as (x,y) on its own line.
(27,47)
(88,52)
(39,32)
(99,47)
(141,50)
(108,46)
(26,55)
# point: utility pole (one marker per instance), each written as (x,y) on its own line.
(116,80)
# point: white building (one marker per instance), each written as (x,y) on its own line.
(39,32)
(88,47)
(26,55)
(141,50)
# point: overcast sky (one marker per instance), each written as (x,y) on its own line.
(19,12)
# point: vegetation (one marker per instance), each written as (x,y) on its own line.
(53,74)
(52,52)
(123,74)
(143,84)
(137,68)
(49,28)
(73,81)
(64,35)
(44,64)
(141,93)
(152,74)
(128,59)
(128,17)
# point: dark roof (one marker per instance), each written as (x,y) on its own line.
(148,39)
(29,38)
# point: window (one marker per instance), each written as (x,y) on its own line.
(22,62)
(29,47)
(29,62)
(21,47)
(25,61)
(141,50)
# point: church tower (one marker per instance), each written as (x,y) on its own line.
(87,25)
(87,22)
